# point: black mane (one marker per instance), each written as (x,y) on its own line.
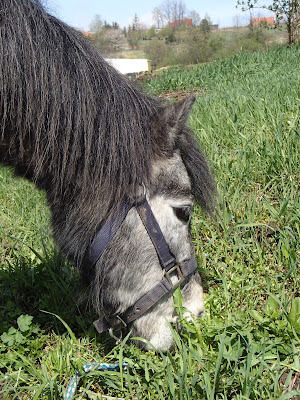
(54,81)
(75,126)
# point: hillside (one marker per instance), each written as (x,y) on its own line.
(189,45)
(246,118)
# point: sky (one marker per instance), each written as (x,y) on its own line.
(80,14)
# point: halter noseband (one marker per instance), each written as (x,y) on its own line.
(167,261)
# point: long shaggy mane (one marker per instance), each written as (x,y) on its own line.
(73,124)
(53,81)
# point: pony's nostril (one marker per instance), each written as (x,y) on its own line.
(191,316)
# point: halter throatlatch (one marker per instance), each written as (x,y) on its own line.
(167,261)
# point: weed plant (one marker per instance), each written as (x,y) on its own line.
(247,345)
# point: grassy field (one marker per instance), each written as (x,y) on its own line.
(247,346)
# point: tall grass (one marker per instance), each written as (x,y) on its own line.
(247,346)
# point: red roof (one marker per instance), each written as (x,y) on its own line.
(267,20)
(90,35)
(178,22)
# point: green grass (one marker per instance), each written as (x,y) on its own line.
(247,346)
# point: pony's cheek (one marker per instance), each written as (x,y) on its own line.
(159,337)
(162,340)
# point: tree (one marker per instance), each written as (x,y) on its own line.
(115,25)
(236,21)
(171,38)
(205,25)
(196,19)
(166,8)
(134,32)
(169,11)
(158,17)
(181,10)
(96,25)
(149,33)
(135,23)
(107,37)
(285,10)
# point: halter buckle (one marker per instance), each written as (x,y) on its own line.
(179,273)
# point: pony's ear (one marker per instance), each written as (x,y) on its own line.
(169,122)
(176,116)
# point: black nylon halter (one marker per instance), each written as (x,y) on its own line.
(166,259)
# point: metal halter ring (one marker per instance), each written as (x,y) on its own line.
(117,339)
(180,276)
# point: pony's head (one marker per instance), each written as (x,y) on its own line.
(130,266)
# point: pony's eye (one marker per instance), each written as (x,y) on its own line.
(183,213)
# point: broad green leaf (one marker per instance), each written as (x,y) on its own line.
(24,322)
(8,339)
(256,315)
(295,309)
(19,338)
(272,304)
(285,251)
(12,331)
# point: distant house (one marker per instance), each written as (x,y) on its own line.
(89,35)
(263,21)
(179,22)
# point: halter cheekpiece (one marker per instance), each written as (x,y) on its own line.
(167,261)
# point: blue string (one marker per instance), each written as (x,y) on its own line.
(71,389)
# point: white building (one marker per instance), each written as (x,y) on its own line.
(129,66)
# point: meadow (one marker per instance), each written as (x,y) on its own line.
(246,118)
